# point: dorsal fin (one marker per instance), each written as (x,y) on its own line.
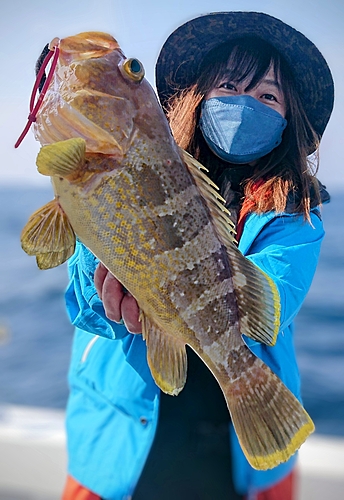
(216,204)
(257,295)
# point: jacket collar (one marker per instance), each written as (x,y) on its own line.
(253,225)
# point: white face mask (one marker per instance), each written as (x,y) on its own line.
(240,129)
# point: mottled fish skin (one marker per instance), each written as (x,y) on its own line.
(142,215)
(143,210)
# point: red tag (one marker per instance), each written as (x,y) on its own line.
(54,53)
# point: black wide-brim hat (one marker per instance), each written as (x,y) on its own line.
(181,55)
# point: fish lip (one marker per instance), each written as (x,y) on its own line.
(55,42)
(86,45)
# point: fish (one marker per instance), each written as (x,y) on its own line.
(150,213)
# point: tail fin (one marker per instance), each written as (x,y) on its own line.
(270,422)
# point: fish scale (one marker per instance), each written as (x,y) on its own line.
(149,213)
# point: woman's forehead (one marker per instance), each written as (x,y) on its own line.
(247,75)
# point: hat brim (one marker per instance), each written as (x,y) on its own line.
(186,47)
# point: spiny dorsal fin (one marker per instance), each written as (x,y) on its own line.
(166,357)
(220,214)
(61,158)
(257,295)
(48,235)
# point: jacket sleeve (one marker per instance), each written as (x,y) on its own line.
(287,249)
(84,307)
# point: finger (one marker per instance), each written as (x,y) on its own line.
(112,296)
(130,313)
(99,277)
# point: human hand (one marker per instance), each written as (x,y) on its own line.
(118,304)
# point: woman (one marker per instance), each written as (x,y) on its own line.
(249,97)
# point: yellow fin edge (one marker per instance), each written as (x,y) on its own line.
(163,384)
(277,307)
(274,459)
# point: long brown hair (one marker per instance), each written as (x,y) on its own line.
(286,171)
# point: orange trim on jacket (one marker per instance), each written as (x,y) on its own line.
(284,490)
(75,491)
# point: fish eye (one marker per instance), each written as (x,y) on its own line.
(132,68)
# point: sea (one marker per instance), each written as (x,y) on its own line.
(36,336)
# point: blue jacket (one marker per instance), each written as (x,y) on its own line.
(113,406)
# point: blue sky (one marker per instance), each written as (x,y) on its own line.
(141,28)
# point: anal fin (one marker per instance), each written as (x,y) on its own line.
(166,357)
(49,236)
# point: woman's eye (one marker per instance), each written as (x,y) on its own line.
(269,97)
(227,86)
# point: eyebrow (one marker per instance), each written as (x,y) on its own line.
(267,81)
(271,82)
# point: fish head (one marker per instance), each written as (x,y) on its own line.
(97,94)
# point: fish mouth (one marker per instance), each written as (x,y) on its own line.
(86,45)
(69,122)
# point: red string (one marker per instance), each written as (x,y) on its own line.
(35,107)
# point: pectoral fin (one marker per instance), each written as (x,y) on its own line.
(62,158)
(49,236)
(166,358)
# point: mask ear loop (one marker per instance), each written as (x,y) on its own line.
(35,107)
